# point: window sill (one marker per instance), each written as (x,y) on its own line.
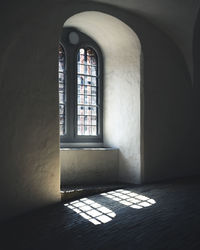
(88,148)
(85,146)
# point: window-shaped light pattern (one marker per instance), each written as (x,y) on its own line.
(61,80)
(87,84)
(91,211)
(129,198)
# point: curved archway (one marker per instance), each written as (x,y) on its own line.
(122,87)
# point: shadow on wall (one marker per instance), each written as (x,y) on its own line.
(196,79)
(196,52)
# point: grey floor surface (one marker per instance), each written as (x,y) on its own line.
(156,216)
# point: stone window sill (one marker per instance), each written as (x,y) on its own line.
(87,148)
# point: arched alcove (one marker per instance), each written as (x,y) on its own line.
(122,87)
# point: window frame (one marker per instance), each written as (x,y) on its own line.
(71,53)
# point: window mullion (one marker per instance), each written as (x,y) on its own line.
(71,94)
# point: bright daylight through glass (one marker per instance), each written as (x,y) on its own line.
(61,79)
(87,92)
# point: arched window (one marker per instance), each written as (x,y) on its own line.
(80,88)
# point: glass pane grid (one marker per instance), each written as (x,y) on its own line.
(87,93)
(85,64)
(86,80)
(61,80)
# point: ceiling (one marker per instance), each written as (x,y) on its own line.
(174,17)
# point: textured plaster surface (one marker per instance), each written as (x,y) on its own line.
(29,173)
(88,167)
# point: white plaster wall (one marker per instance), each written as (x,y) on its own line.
(122,51)
(88,166)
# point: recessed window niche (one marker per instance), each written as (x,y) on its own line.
(122,95)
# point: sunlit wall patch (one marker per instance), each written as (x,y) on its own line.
(91,211)
(129,198)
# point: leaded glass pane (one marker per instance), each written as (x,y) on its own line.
(80,90)
(61,77)
(88,100)
(81,80)
(93,81)
(61,97)
(94,120)
(62,129)
(93,71)
(93,91)
(62,119)
(81,99)
(89,70)
(81,130)
(61,86)
(81,120)
(87,92)
(61,109)
(93,100)
(61,66)
(94,111)
(81,110)
(89,80)
(88,120)
(94,130)
(88,110)
(88,130)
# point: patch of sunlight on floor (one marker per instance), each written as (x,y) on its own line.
(92,211)
(129,198)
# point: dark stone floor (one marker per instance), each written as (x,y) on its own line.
(173,222)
